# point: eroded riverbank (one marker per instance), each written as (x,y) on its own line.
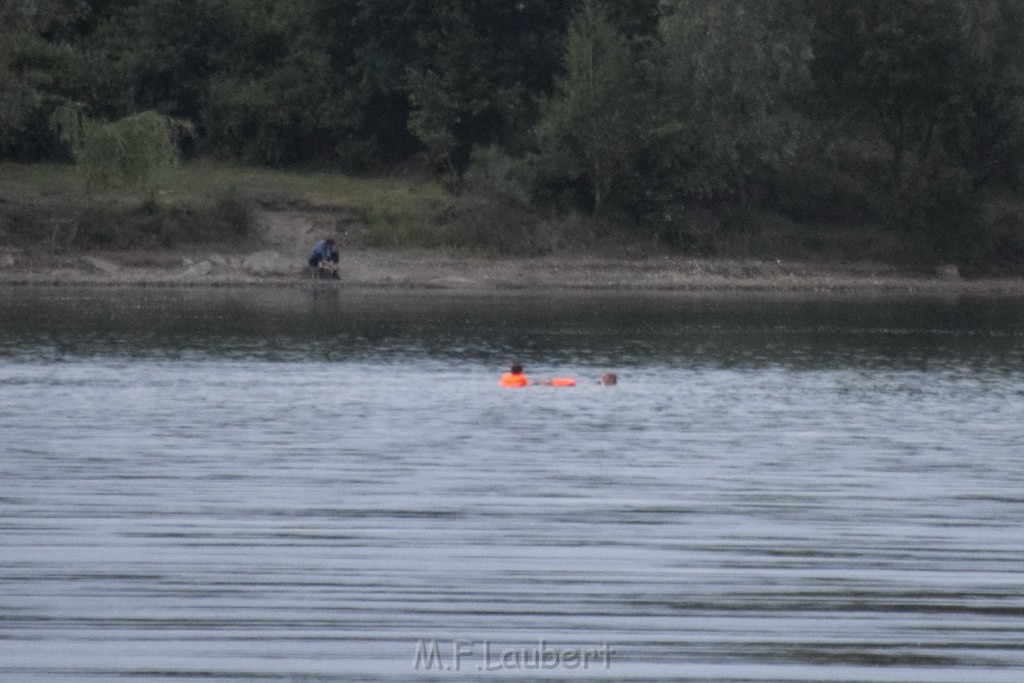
(429,271)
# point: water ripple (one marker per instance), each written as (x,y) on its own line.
(212,512)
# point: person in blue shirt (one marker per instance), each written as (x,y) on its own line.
(324,258)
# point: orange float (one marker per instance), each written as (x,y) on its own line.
(513,379)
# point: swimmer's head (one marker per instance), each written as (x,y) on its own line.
(516,369)
(608,379)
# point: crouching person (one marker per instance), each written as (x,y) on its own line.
(324,259)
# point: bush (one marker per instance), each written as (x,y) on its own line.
(489,215)
(477,224)
(231,216)
(20,225)
(223,218)
(134,152)
(493,173)
(1001,249)
(839,180)
(483,225)
(938,217)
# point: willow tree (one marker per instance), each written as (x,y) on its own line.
(133,153)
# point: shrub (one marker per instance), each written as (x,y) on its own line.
(225,217)
(134,152)
(938,217)
(1001,249)
(493,173)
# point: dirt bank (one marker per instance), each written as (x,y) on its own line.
(279,260)
(366,268)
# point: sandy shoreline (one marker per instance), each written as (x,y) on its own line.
(278,259)
(432,271)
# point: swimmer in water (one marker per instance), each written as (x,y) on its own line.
(514,377)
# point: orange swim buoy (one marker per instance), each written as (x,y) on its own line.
(563,382)
(513,380)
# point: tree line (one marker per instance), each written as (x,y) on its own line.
(901,111)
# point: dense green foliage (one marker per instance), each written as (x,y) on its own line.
(133,152)
(905,114)
(594,127)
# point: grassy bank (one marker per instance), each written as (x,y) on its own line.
(210,203)
(198,203)
(203,203)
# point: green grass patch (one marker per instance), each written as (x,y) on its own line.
(203,202)
(31,181)
(220,219)
(206,203)
(396,212)
(45,205)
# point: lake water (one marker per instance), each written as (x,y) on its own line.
(311,485)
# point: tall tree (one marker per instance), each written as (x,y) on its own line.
(986,133)
(592,130)
(39,70)
(174,48)
(732,73)
(480,64)
(274,100)
(898,63)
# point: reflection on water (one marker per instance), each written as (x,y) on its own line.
(293,485)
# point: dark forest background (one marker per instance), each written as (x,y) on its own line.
(904,114)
